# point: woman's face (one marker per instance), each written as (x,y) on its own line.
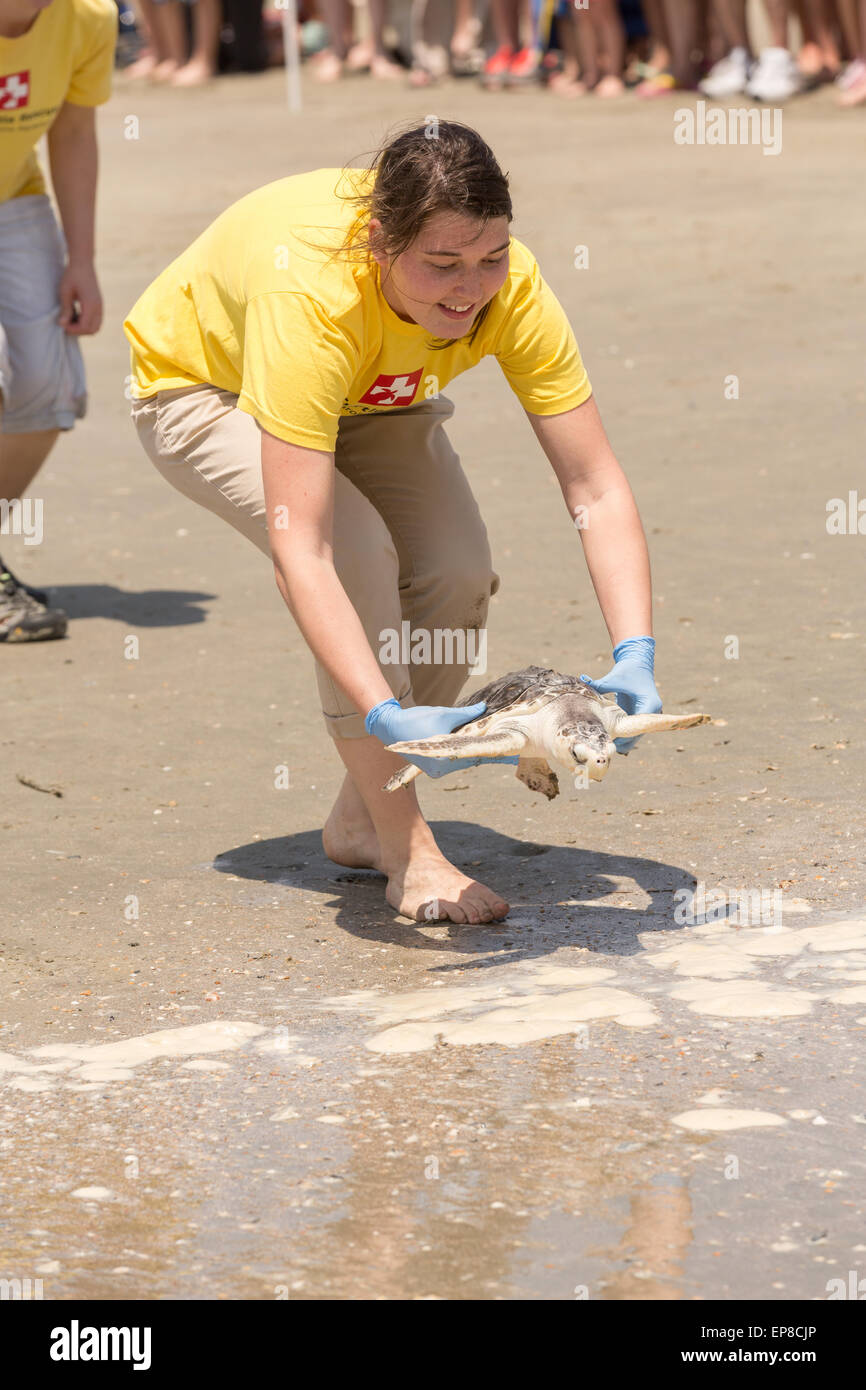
(455,265)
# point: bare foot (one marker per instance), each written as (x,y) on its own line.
(812,60)
(383,69)
(609,86)
(360,56)
(348,836)
(195,73)
(565,86)
(142,67)
(429,889)
(164,71)
(326,66)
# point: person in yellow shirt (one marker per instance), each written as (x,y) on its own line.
(56,63)
(287,374)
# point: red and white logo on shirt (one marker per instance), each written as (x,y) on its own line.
(14,90)
(392,390)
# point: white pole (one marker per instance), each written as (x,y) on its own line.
(291,53)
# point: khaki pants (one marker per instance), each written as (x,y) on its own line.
(409,541)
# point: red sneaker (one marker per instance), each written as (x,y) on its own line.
(523,67)
(496,70)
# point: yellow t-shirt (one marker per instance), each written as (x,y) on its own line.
(253,308)
(66,55)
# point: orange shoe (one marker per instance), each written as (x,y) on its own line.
(523,67)
(495,72)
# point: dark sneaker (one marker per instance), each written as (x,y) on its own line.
(23,618)
(39,594)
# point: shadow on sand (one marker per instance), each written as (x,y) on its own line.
(554,892)
(150,608)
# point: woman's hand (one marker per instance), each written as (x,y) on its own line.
(391,723)
(632,681)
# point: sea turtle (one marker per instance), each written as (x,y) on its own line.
(543,717)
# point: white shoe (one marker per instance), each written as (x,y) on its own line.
(775,76)
(852,73)
(728,76)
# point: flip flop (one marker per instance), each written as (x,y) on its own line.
(662,85)
(467,64)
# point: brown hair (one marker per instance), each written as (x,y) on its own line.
(441,166)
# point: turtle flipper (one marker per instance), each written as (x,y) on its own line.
(538,776)
(630,725)
(502,743)
(402,778)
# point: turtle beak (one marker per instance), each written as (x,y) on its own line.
(595,761)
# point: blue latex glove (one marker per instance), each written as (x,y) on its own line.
(391,723)
(631,680)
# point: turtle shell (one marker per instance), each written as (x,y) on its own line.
(529,688)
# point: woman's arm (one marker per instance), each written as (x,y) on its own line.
(299,497)
(614,544)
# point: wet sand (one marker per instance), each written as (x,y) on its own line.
(372,1108)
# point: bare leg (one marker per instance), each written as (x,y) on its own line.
(23,616)
(568,82)
(169,32)
(380,64)
(506,22)
(684,25)
(777,17)
(848,23)
(21,457)
(338,19)
(467,28)
(731,16)
(369,827)
(206,36)
(587,48)
(656,21)
(610,36)
(819,52)
(150,56)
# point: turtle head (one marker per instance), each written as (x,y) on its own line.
(585,746)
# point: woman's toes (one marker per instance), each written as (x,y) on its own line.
(452,912)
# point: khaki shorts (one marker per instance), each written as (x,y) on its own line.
(409,541)
(42,378)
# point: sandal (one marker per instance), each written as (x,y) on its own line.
(429,64)
(662,85)
(467,64)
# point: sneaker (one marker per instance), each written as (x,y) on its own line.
(775,76)
(523,67)
(24,618)
(495,70)
(851,74)
(727,77)
(39,594)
